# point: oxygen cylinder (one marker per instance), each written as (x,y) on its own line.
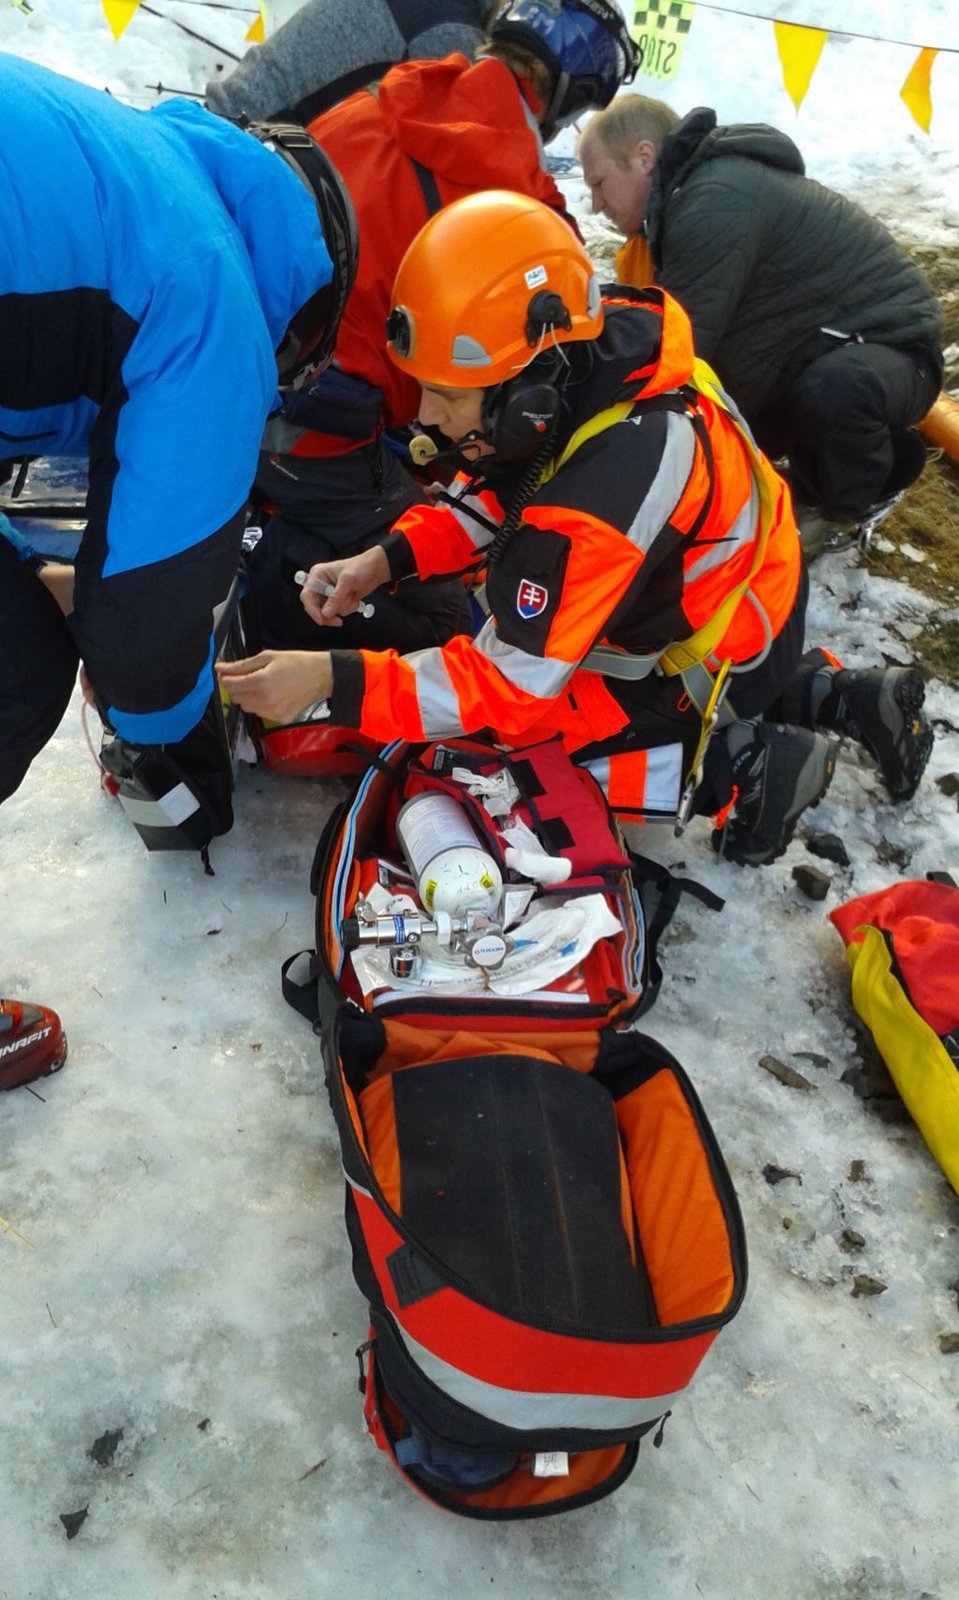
(445,855)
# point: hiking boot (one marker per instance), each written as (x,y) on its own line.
(818,533)
(881,707)
(777,772)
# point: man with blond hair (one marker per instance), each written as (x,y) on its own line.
(817,322)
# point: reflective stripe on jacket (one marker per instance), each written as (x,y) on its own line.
(635,541)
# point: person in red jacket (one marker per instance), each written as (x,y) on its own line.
(429,133)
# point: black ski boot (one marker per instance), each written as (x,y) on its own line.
(879,707)
(776,772)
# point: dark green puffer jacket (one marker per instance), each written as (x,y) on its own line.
(763,257)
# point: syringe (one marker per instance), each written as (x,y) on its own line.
(326,589)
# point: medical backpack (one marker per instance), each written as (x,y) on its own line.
(540,1216)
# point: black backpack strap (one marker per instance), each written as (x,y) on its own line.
(428,186)
(302,993)
(313,994)
(666,892)
(660,892)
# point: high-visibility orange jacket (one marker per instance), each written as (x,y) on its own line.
(634,542)
(468,127)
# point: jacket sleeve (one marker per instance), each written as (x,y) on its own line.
(146,637)
(583,548)
(514,672)
(709,252)
(310,52)
(444,539)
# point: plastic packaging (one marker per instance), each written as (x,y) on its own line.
(452,870)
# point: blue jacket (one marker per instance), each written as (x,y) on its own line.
(150,263)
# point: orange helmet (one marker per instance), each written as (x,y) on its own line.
(490,282)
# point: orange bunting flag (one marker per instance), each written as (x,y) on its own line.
(916,92)
(799,51)
(256,32)
(119,14)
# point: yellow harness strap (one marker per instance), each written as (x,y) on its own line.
(686,657)
(682,654)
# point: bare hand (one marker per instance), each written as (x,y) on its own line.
(277,684)
(86,687)
(57,578)
(351,580)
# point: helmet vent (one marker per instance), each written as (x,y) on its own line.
(469,352)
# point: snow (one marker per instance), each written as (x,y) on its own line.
(180,1269)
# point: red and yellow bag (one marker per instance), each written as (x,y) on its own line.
(902,944)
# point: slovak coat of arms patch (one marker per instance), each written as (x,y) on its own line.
(531,599)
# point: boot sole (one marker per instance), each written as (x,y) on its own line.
(906,694)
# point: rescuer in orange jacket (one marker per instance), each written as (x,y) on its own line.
(640,553)
(430,132)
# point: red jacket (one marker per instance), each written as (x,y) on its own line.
(470,128)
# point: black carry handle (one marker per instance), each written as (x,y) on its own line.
(316,996)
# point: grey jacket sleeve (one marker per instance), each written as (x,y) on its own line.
(324,41)
(329,41)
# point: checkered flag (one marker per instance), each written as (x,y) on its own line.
(660,28)
(672,15)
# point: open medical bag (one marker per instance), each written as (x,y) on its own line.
(540,1216)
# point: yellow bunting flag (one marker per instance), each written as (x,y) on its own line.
(119,14)
(917,89)
(256,32)
(660,28)
(799,51)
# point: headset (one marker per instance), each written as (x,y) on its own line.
(521,414)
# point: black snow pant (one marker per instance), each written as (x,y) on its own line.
(326,508)
(39,658)
(38,668)
(662,712)
(845,426)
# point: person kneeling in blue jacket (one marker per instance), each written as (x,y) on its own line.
(149,262)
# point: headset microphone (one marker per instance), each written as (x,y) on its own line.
(424,450)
